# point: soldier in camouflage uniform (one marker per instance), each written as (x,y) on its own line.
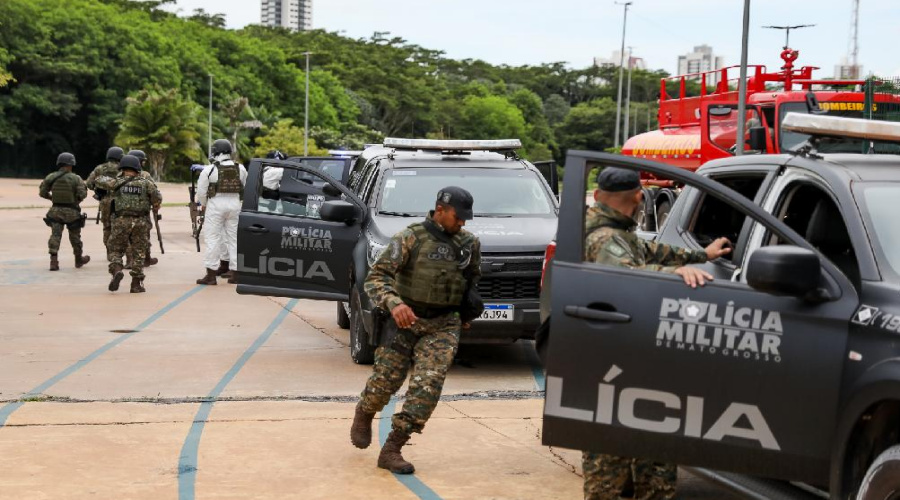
(133,199)
(420,279)
(148,259)
(611,240)
(108,169)
(66,190)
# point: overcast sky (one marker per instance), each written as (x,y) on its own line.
(520,32)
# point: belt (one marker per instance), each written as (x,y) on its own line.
(133,214)
(67,205)
(431,312)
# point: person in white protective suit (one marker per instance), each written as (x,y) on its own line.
(220,190)
(272,184)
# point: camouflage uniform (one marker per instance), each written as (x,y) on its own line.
(109,169)
(433,343)
(134,197)
(611,240)
(67,191)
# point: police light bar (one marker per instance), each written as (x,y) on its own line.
(341,152)
(834,126)
(453,145)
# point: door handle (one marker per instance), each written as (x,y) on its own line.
(596,314)
(256,228)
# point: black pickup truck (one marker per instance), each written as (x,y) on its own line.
(781,378)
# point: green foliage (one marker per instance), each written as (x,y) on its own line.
(288,139)
(164,125)
(589,125)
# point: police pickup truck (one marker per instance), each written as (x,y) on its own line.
(783,374)
(316,234)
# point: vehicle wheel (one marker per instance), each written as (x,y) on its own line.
(360,351)
(343,319)
(645,217)
(882,481)
(662,213)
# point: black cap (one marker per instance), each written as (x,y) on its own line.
(459,199)
(615,179)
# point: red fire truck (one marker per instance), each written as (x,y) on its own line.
(697,129)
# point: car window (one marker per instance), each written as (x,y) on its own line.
(722,126)
(879,202)
(497,192)
(713,218)
(356,174)
(292,192)
(810,211)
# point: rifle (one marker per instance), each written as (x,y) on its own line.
(156,218)
(196,215)
(97,220)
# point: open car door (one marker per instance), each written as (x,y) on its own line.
(729,376)
(297,229)
(548,170)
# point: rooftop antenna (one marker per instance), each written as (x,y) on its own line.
(787,29)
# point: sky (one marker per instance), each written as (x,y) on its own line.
(518,32)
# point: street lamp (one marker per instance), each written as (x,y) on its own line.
(209,128)
(306,110)
(742,85)
(621,64)
(627,98)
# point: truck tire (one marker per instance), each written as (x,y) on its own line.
(882,481)
(343,319)
(360,351)
(646,216)
(662,212)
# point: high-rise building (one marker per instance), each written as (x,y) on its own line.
(846,71)
(700,60)
(291,14)
(616,57)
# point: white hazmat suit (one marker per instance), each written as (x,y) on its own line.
(221,215)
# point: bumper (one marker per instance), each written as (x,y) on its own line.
(526,320)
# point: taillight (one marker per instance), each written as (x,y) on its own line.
(548,254)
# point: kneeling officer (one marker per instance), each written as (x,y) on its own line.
(66,190)
(133,198)
(421,278)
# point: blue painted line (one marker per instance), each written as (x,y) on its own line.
(9,408)
(412,483)
(536,369)
(187,461)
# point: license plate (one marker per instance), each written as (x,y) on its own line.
(497,312)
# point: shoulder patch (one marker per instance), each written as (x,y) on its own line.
(615,249)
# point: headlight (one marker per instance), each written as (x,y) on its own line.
(375,249)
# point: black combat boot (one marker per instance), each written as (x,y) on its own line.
(117,273)
(232,277)
(224,266)
(390,457)
(54,262)
(150,261)
(81,260)
(361,429)
(209,279)
(137,285)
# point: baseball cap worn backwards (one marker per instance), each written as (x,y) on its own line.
(459,199)
(615,179)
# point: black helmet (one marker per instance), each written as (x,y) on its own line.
(276,155)
(140,154)
(221,147)
(130,161)
(65,159)
(115,153)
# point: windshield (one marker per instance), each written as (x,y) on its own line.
(790,140)
(880,202)
(496,192)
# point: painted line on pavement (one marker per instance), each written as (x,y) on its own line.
(187,461)
(10,408)
(412,483)
(537,370)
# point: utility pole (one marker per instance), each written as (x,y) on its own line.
(742,85)
(627,99)
(209,128)
(787,29)
(621,69)
(306,110)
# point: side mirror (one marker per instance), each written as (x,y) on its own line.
(720,111)
(757,140)
(784,270)
(338,211)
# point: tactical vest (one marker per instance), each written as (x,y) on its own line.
(62,191)
(229,181)
(131,199)
(433,276)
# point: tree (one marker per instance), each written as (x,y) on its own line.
(288,139)
(239,116)
(491,117)
(207,19)
(556,108)
(164,125)
(590,125)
